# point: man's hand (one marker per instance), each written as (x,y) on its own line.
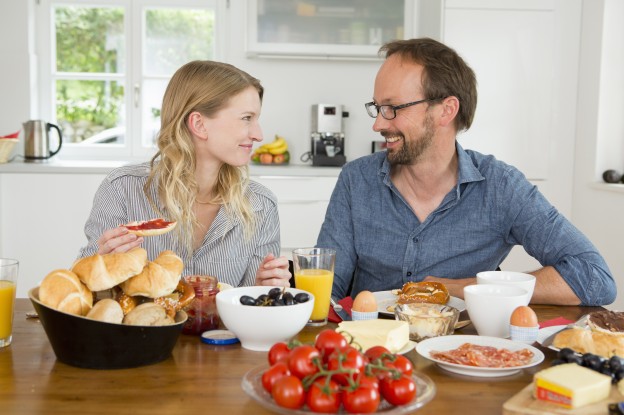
(454,287)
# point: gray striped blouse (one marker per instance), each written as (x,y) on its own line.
(225,252)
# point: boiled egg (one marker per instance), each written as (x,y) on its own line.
(364,302)
(523,316)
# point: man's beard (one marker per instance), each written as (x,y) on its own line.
(411,151)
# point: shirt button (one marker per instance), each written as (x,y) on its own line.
(409,274)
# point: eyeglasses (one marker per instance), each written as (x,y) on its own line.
(389,111)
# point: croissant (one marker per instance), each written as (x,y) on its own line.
(159,278)
(588,341)
(102,272)
(62,290)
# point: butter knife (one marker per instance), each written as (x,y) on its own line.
(340,311)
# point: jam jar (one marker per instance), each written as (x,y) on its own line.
(202,311)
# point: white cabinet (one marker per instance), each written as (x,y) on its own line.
(322,28)
(302,202)
(522,52)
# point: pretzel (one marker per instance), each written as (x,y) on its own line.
(423,292)
(178,299)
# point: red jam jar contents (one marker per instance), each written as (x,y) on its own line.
(202,311)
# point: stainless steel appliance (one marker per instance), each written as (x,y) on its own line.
(327,138)
(37,140)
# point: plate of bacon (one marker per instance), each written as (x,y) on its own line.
(480,356)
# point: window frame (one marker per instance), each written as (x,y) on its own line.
(134,18)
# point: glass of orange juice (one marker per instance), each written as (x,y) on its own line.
(8,283)
(314,272)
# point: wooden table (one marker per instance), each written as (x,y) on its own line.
(204,379)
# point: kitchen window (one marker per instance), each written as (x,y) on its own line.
(104,67)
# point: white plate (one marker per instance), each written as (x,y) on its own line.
(387,298)
(444,343)
(252,385)
(542,334)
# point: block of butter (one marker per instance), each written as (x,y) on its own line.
(570,385)
(391,334)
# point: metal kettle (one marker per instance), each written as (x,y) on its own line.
(37,140)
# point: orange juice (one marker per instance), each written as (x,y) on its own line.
(7,297)
(319,283)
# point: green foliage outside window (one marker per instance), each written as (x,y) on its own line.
(91,42)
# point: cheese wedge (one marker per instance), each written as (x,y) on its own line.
(570,385)
(391,334)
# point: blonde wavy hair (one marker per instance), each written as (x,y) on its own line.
(205,87)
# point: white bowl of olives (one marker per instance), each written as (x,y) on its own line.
(262,316)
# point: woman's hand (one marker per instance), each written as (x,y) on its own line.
(118,240)
(273,271)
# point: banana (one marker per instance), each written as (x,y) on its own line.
(278,142)
(279,150)
(261,150)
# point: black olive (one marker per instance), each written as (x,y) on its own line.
(288,298)
(605,370)
(302,297)
(279,302)
(615,363)
(263,300)
(575,359)
(591,361)
(274,293)
(611,176)
(619,374)
(247,300)
(565,354)
(557,362)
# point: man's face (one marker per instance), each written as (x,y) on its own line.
(411,133)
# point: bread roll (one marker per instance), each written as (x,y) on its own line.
(607,321)
(107,310)
(101,272)
(148,314)
(151,227)
(158,278)
(588,341)
(62,290)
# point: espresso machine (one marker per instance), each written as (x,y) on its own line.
(327,135)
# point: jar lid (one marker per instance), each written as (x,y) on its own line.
(220,337)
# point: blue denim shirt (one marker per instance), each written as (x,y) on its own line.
(381,244)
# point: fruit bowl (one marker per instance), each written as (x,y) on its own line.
(268,159)
(273,153)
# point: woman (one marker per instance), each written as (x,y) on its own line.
(228,226)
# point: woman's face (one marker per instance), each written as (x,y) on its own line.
(232,131)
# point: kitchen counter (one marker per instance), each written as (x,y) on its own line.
(60,166)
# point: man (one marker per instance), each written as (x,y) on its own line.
(426,209)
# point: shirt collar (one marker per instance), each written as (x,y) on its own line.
(467,171)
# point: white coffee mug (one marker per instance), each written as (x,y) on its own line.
(490,306)
(332,150)
(519,279)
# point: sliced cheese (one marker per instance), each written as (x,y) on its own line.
(570,385)
(391,334)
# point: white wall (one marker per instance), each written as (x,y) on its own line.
(598,210)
